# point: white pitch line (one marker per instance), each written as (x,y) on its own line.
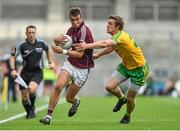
(24,113)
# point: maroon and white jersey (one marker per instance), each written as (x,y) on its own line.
(77,34)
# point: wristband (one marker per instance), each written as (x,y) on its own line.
(12,69)
(64,52)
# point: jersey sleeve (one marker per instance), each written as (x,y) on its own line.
(45,46)
(117,38)
(17,51)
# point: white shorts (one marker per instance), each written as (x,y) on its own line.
(121,78)
(79,75)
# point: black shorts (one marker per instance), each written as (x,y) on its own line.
(28,76)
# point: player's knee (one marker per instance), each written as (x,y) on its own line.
(59,86)
(32,92)
(24,98)
(108,88)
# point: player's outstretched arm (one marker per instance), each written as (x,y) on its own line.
(12,66)
(103,52)
(97,44)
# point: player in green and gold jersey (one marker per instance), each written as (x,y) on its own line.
(133,64)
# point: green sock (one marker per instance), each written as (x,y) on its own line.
(127,114)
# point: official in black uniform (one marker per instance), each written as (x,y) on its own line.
(31,51)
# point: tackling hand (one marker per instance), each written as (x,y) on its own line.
(80,46)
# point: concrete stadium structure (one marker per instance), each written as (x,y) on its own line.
(154,24)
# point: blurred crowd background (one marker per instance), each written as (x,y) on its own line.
(155,24)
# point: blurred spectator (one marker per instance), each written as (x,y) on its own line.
(3,69)
(0,74)
(169,86)
(11,83)
(176,92)
(147,89)
(49,79)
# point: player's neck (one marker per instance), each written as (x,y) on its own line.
(115,32)
(31,41)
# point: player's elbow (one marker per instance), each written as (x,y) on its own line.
(105,45)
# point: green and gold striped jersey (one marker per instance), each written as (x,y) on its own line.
(128,50)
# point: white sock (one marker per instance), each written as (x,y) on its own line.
(77,102)
(48,116)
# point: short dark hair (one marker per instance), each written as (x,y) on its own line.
(118,21)
(75,11)
(30,26)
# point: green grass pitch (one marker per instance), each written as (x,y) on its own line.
(95,113)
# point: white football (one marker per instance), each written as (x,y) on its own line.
(68,44)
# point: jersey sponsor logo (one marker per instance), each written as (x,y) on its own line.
(39,49)
(26,53)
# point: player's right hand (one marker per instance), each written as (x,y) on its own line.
(95,56)
(13,73)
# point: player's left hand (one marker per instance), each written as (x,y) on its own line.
(57,49)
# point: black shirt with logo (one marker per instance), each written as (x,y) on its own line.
(32,54)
